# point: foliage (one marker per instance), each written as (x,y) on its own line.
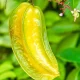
(63,34)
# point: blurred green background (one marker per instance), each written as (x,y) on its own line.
(63,34)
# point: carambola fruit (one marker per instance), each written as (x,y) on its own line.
(30,44)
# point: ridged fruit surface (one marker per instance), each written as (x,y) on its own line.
(30,43)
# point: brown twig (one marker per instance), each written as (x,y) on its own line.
(64,6)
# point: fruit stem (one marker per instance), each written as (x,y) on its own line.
(31,1)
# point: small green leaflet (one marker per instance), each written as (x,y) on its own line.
(70,55)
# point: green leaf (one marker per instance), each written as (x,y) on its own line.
(51,17)
(70,55)
(41,3)
(21,75)
(61,70)
(2,18)
(74,3)
(54,4)
(69,15)
(13,60)
(53,47)
(29,78)
(5,41)
(79,41)
(73,75)
(68,42)
(79,76)
(79,45)
(77,65)
(5,66)
(10,6)
(65,27)
(2,4)
(4,27)
(55,38)
(8,74)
